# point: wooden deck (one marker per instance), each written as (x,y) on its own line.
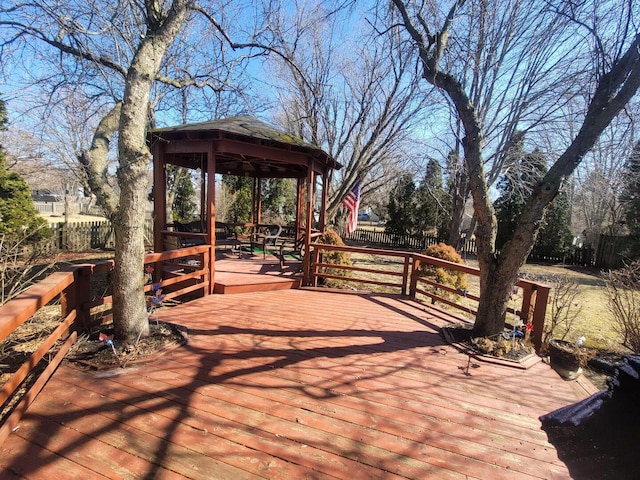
(295,384)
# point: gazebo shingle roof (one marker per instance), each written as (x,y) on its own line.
(267,151)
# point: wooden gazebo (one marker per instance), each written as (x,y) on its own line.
(241,146)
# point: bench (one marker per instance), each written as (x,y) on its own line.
(227,236)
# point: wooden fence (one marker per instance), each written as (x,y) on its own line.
(612,251)
(583,257)
(405,242)
(609,254)
(83,236)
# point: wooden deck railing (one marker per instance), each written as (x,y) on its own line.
(532,296)
(17,311)
(179,271)
(184,271)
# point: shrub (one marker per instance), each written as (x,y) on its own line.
(330,237)
(452,278)
(564,309)
(18,216)
(623,292)
(21,265)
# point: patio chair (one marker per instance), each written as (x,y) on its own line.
(269,237)
(226,236)
(294,248)
(191,227)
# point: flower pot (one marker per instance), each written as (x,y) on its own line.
(566,359)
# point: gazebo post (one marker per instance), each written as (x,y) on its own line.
(299,206)
(211,212)
(258,203)
(203,191)
(159,197)
(307,228)
(323,209)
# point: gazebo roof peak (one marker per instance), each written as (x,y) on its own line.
(243,146)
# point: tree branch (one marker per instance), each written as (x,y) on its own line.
(63,47)
(94,161)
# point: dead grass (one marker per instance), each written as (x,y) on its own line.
(16,348)
(595,322)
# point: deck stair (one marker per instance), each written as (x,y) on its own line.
(252,273)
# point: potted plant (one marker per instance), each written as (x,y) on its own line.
(567,358)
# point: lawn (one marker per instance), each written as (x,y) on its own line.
(594,321)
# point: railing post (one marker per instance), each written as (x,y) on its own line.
(539,300)
(313,270)
(414,277)
(208,262)
(405,274)
(528,299)
(78,295)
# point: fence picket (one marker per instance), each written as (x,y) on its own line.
(578,256)
(83,236)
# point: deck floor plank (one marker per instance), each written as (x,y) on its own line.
(382,416)
(151,419)
(296,384)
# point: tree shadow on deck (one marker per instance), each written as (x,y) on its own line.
(294,352)
(154,409)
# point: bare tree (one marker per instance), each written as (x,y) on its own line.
(616,78)
(505,55)
(123,54)
(47,155)
(358,97)
(599,182)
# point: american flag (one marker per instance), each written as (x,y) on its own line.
(352,202)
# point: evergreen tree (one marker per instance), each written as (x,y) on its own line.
(510,204)
(184,206)
(433,203)
(241,190)
(402,206)
(279,199)
(554,238)
(457,185)
(18,216)
(630,198)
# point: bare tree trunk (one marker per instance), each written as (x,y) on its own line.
(94,161)
(129,303)
(498,273)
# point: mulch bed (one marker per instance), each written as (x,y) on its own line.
(96,350)
(502,349)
